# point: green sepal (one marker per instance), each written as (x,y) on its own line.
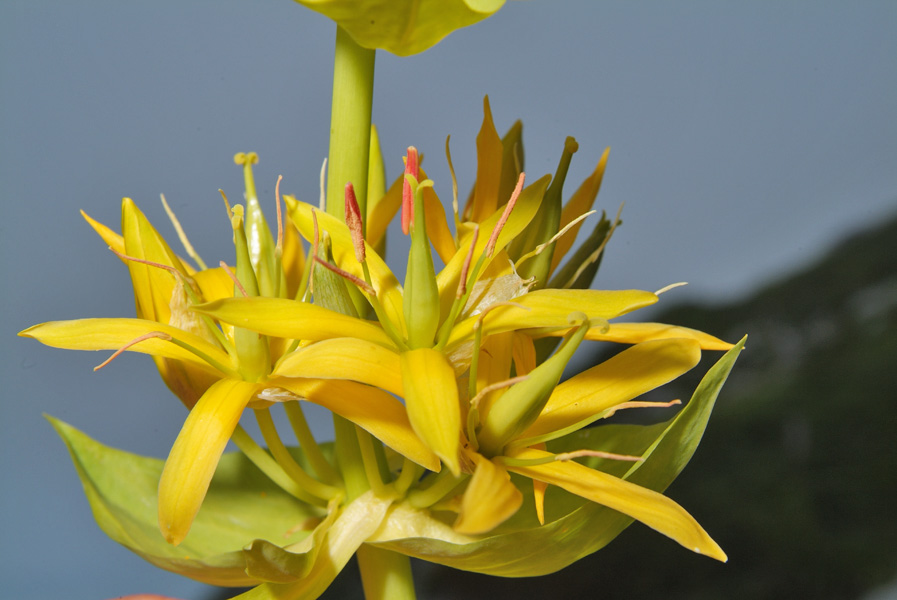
(252,348)
(545,225)
(330,289)
(242,505)
(574,527)
(520,405)
(566,276)
(511,161)
(421,293)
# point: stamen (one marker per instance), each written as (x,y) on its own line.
(567,456)
(541,247)
(670,287)
(462,283)
(490,245)
(448,156)
(358,281)
(279,247)
(226,203)
(489,308)
(181,235)
(153,334)
(310,284)
(496,386)
(594,255)
(323,183)
(233,277)
(353,221)
(168,268)
(640,404)
(411,168)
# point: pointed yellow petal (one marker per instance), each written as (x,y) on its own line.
(345,358)
(112,334)
(195,454)
(490,499)
(485,198)
(654,510)
(152,286)
(373,410)
(627,375)
(112,239)
(633,333)
(580,202)
(431,398)
(437,227)
(551,308)
(291,319)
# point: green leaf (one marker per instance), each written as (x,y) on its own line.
(403,27)
(574,527)
(242,505)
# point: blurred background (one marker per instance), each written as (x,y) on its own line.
(753,145)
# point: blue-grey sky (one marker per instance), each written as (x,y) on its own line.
(745,139)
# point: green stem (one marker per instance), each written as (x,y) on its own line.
(286,460)
(350,123)
(309,446)
(267,465)
(385,575)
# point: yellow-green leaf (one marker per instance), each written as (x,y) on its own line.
(403,27)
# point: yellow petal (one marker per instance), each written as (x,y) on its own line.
(627,375)
(152,286)
(490,499)
(431,398)
(373,410)
(485,198)
(551,308)
(437,227)
(112,239)
(214,284)
(654,510)
(291,319)
(112,334)
(195,455)
(633,333)
(345,358)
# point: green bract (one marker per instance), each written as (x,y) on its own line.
(403,27)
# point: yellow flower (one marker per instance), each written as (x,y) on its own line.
(219,370)
(447,344)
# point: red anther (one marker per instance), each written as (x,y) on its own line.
(490,245)
(411,168)
(353,220)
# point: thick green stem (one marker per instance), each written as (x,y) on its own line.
(385,575)
(350,123)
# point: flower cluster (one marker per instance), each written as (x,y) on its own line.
(456,441)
